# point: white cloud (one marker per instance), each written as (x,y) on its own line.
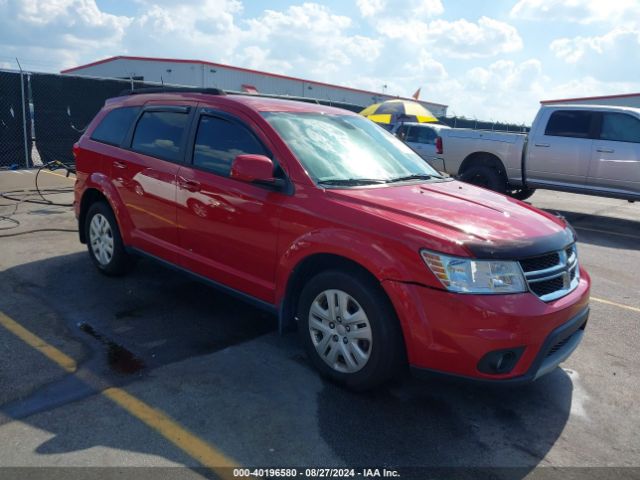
(573,50)
(312,38)
(58,31)
(178,27)
(426,67)
(512,91)
(426,8)
(578,11)
(368,8)
(406,9)
(504,90)
(307,39)
(403,45)
(456,39)
(612,56)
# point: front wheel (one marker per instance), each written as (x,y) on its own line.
(349,329)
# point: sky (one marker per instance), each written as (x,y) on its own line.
(486,60)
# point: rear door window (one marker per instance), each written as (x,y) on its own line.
(115,125)
(219,141)
(424,135)
(569,123)
(160,134)
(620,127)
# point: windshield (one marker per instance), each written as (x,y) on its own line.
(348,148)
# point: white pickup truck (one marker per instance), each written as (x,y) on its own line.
(587,149)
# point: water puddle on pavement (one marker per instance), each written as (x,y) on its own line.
(119,358)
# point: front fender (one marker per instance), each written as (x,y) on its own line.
(385,260)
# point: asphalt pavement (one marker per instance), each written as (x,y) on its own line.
(157,370)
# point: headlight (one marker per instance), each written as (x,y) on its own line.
(466,275)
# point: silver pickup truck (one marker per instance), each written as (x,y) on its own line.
(586,149)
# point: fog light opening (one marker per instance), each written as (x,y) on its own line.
(500,361)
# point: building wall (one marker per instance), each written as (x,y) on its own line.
(204,75)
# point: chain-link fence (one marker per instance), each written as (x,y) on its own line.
(63,108)
(15,134)
(58,109)
(462,122)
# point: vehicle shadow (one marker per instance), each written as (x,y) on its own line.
(261,393)
(127,327)
(448,427)
(604,231)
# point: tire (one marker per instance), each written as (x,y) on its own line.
(104,241)
(486,177)
(522,193)
(359,344)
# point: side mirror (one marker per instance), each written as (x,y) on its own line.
(252,168)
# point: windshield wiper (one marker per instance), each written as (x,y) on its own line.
(415,176)
(350,181)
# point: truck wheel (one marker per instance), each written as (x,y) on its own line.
(486,177)
(349,329)
(104,241)
(522,193)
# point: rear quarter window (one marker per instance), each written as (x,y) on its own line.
(115,125)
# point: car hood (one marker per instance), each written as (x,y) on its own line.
(487,224)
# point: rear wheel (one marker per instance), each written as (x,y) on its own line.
(486,177)
(104,241)
(350,330)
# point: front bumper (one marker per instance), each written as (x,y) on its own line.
(451,333)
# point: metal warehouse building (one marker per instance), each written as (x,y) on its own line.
(199,73)
(623,100)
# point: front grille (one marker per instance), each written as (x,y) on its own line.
(549,286)
(540,263)
(552,275)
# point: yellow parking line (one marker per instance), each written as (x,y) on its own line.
(619,305)
(63,360)
(169,429)
(57,174)
(179,436)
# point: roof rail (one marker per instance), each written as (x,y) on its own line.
(139,91)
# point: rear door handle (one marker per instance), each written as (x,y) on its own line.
(120,165)
(541,144)
(189,185)
(605,150)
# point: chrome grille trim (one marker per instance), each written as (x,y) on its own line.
(567,269)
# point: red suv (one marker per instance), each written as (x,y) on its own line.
(322,217)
